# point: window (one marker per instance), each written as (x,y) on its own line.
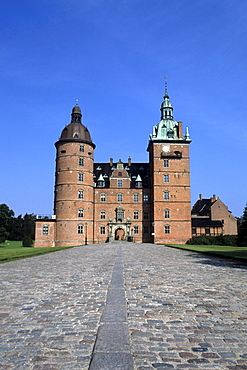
(136,230)
(119,173)
(45,230)
(102,230)
(102,215)
(167,229)
(166,163)
(166,178)
(207,231)
(136,197)
(80,212)
(102,197)
(80,194)
(101,184)
(136,215)
(81,148)
(145,215)
(145,197)
(166,195)
(80,176)
(81,161)
(145,229)
(120,183)
(120,197)
(166,213)
(120,214)
(80,229)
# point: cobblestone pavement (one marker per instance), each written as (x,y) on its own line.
(123,306)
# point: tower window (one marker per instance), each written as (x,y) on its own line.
(102,197)
(167,229)
(136,230)
(145,215)
(136,198)
(102,230)
(120,197)
(166,163)
(80,176)
(145,197)
(81,148)
(81,161)
(80,194)
(45,230)
(80,212)
(136,215)
(166,195)
(80,229)
(102,215)
(166,178)
(166,213)
(120,183)
(119,173)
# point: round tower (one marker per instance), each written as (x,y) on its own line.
(73,203)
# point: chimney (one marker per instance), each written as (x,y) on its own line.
(200,196)
(129,161)
(213,199)
(111,161)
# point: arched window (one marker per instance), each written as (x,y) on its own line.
(45,230)
(166,195)
(166,213)
(167,229)
(80,194)
(102,215)
(102,197)
(102,230)
(80,212)
(80,229)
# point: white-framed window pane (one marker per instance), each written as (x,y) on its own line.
(136,215)
(166,163)
(80,212)
(145,197)
(80,176)
(80,194)
(167,229)
(102,215)
(45,230)
(136,229)
(166,213)
(120,197)
(102,197)
(80,229)
(166,178)
(120,183)
(102,230)
(136,197)
(166,195)
(81,161)
(81,148)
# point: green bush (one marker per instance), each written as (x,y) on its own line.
(27,241)
(213,240)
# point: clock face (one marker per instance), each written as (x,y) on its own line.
(166,148)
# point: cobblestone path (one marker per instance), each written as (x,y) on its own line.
(123,306)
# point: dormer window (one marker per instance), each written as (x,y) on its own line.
(75,136)
(170,134)
(101,181)
(120,174)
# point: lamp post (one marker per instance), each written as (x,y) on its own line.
(85,233)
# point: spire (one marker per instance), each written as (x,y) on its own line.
(76,113)
(166,106)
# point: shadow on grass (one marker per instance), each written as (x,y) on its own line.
(218,260)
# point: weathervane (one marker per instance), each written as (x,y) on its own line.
(166,89)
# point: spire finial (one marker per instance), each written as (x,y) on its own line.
(76,101)
(166,88)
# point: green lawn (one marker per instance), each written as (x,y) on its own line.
(220,250)
(12,250)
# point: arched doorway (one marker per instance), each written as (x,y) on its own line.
(119,234)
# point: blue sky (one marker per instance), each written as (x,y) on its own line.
(112,56)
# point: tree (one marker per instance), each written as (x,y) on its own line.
(28,230)
(242,233)
(6,215)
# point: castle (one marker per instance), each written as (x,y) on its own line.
(100,202)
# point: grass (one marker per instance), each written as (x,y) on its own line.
(239,253)
(13,250)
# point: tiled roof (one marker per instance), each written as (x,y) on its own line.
(205,222)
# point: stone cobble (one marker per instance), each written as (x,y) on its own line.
(184,310)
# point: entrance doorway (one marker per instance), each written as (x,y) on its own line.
(119,234)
